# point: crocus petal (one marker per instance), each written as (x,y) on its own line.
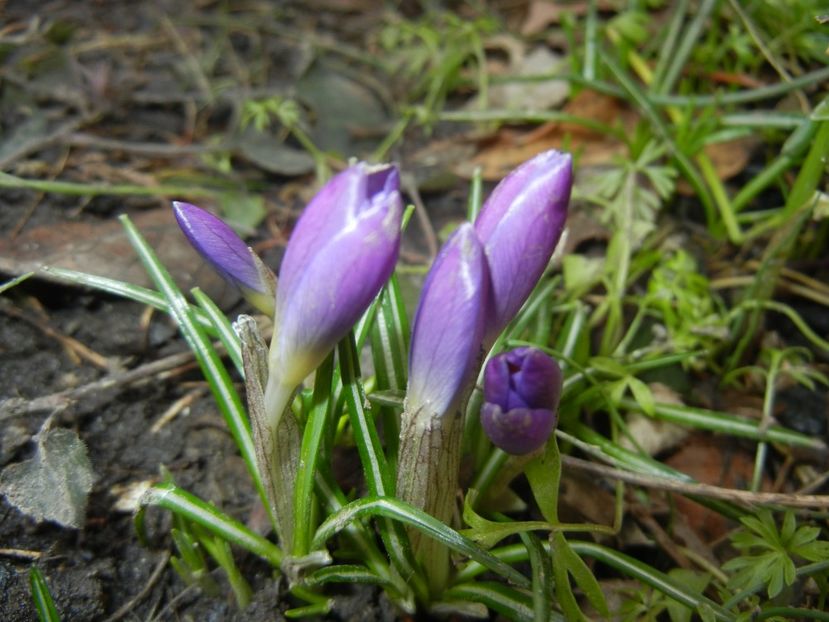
(519,226)
(517,431)
(335,288)
(449,325)
(537,379)
(218,244)
(521,392)
(337,206)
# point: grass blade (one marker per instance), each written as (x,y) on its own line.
(171,497)
(125,290)
(404,513)
(46,611)
(222,327)
(211,365)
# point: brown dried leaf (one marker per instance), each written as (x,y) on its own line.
(509,147)
(728,158)
(715,462)
(102,248)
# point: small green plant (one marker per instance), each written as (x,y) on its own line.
(769,554)
(430,54)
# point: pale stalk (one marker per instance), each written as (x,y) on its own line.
(276,435)
(427,478)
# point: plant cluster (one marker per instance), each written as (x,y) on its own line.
(509,371)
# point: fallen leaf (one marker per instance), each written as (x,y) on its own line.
(510,147)
(541,95)
(102,248)
(544,13)
(583,498)
(348,116)
(711,461)
(653,435)
(267,152)
(728,158)
(55,483)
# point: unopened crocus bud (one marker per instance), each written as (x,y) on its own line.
(444,360)
(519,226)
(228,254)
(449,325)
(342,251)
(521,392)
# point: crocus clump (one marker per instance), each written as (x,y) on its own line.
(219,245)
(522,388)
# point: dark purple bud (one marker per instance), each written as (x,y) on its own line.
(521,392)
(519,226)
(217,243)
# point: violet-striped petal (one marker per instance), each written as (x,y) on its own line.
(341,204)
(519,226)
(219,245)
(343,250)
(449,325)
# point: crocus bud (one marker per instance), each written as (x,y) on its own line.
(449,325)
(444,359)
(519,226)
(228,254)
(521,392)
(341,253)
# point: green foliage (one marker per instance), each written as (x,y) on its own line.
(768,554)
(633,192)
(649,605)
(684,301)
(791,27)
(430,54)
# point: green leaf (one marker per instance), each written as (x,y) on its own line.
(211,365)
(564,591)
(643,395)
(169,496)
(608,366)
(544,475)
(585,580)
(125,290)
(45,606)
(488,533)
(417,519)
(513,604)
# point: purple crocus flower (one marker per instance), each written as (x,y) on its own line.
(519,226)
(342,251)
(521,392)
(449,325)
(444,358)
(217,243)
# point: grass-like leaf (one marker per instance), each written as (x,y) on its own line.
(170,497)
(211,365)
(511,603)
(45,606)
(405,513)
(125,290)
